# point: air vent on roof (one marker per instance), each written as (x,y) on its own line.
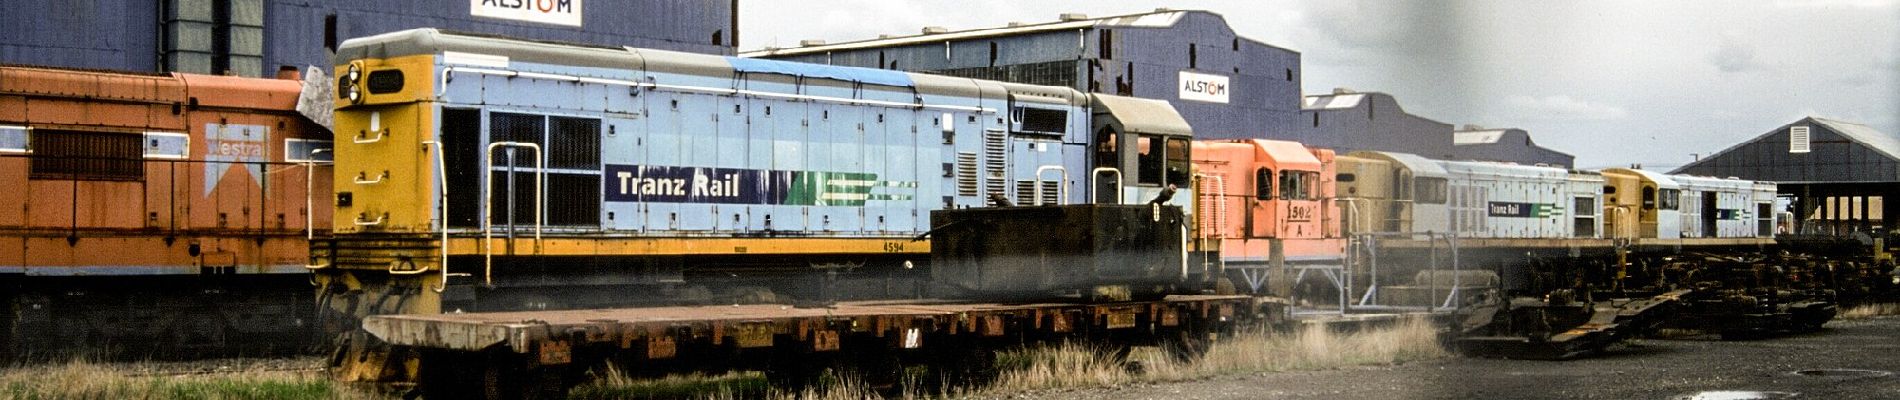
(811,42)
(932,30)
(1473,127)
(885,36)
(1342,90)
(1798,139)
(1163,9)
(1074,16)
(1014,24)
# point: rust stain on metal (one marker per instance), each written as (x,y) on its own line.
(554,352)
(824,340)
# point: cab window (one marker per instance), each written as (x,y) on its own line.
(1433,190)
(1263,184)
(1293,185)
(1649,198)
(1148,159)
(1177,173)
(1671,199)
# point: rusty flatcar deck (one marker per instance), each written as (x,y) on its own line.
(655,332)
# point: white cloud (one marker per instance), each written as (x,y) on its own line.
(1563,108)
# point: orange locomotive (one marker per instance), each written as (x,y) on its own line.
(1268,207)
(156,214)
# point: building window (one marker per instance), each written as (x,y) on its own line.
(1289,74)
(1192,61)
(87,156)
(214,36)
(1106,44)
(329,32)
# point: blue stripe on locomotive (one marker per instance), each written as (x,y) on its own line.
(905,155)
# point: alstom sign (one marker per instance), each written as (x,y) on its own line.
(558,12)
(1204,87)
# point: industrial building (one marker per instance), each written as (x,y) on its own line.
(259,37)
(1226,86)
(1837,173)
(1347,120)
(1510,145)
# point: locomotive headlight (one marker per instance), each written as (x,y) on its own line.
(350,85)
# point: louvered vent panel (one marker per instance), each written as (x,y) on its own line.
(1798,139)
(995,158)
(966,174)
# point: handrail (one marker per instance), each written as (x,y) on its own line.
(1060,185)
(488,204)
(309,195)
(378,221)
(310,204)
(1118,182)
(441,177)
(362,180)
(380,134)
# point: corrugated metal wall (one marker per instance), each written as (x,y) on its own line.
(131,36)
(1833,158)
(1378,123)
(1514,147)
(1264,101)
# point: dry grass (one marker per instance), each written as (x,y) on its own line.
(1311,348)
(86,380)
(1866,311)
(1079,366)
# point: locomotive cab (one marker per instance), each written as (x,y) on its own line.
(1641,204)
(1266,203)
(1141,149)
(1386,192)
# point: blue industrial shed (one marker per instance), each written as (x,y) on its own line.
(1226,86)
(257,37)
(1510,145)
(1347,120)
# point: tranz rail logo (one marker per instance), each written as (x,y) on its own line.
(558,12)
(1523,210)
(670,184)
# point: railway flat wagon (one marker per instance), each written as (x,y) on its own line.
(156,214)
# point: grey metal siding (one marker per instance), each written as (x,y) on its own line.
(80,34)
(1833,158)
(1264,102)
(124,35)
(1378,123)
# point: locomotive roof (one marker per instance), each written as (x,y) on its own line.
(1420,166)
(1142,115)
(1662,180)
(428,41)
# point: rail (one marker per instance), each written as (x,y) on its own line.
(1060,184)
(310,204)
(488,204)
(442,196)
(1097,172)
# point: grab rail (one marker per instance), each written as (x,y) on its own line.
(441,178)
(1118,182)
(361,178)
(1060,185)
(488,204)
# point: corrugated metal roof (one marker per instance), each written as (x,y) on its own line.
(1333,101)
(1488,136)
(1153,19)
(1881,142)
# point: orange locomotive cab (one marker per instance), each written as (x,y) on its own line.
(1267,207)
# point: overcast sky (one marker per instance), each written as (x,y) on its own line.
(1613,83)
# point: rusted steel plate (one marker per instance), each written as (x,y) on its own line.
(749,325)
